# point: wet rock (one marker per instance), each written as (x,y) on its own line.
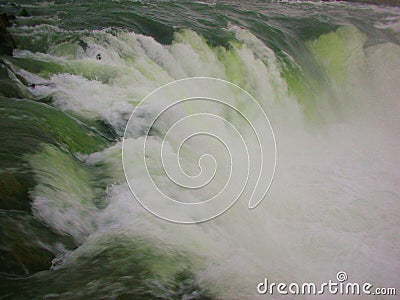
(24,13)
(11,84)
(7,19)
(7,43)
(15,5)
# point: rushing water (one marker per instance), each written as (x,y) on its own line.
(327,75)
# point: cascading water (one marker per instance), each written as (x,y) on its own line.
(326,74)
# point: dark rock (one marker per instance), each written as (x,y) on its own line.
(15,5)
(12,17)
(24,13)
(7,19)
(12,84)
(7,43)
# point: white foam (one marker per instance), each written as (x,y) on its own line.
(334,204)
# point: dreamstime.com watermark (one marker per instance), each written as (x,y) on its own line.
(340,286)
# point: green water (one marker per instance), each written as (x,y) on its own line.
(325,73)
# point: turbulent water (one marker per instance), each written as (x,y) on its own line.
(326,74)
